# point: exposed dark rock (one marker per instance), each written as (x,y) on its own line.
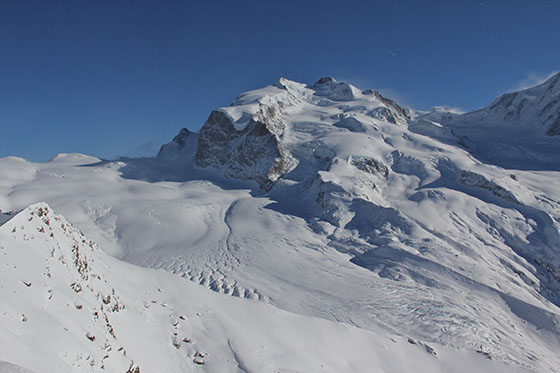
(392,104)
(333,90)
(324,80)
(473,179)
(370,165)
(554,129)
(253,153)
(181,138)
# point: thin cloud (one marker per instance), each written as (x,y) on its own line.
(393,94)
(532,79)
(146,149)
(451,109)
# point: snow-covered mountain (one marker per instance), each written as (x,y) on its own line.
(537,108)
(252,139)
(335,203)
(68,307)
(518,130)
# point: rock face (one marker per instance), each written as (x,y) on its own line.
(473,179)
(255,152)
(245,140)
(370,165)
(391,112)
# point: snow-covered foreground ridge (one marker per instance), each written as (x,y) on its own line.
(68,307)
(335,203)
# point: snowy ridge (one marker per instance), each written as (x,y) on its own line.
(518,130)
(59,276)
(535,107)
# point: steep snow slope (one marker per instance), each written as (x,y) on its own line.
(332,202)
(68,307)
(537,108)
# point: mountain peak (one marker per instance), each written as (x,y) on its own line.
(335,91)
(254,137)
(324,80)
(177,145)
(184,133)
(525,108)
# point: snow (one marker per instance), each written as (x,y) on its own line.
(519,130)
(283,94)
(383,228)
(121,317)
(6,367)
(336,91)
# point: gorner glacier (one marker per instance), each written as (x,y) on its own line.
(331,229)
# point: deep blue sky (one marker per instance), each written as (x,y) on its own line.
(110,78)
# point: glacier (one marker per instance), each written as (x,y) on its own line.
(334,205)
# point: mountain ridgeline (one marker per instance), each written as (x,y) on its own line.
(251,139)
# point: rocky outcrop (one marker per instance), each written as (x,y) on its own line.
(472,179)
(369,165)
(391,113)
(252,151)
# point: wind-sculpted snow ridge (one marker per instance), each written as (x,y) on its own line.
(337,203)
(67,307)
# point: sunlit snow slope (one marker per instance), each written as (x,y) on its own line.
(332,202)
(68,307)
